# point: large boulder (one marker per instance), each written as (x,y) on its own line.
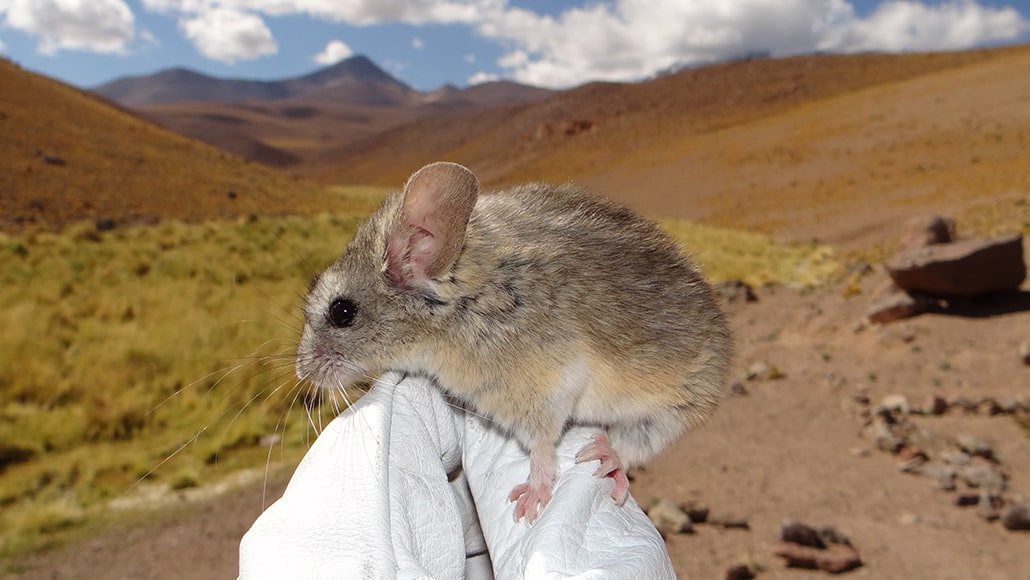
(963,268)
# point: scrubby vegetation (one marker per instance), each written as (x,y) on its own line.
(161,357)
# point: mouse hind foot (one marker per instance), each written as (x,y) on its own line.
(611,465)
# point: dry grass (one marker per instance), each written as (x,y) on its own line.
(163,354)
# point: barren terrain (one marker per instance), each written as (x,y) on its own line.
(839,149)
(789,448)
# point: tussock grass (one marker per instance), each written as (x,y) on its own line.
(727,254)
(159,358)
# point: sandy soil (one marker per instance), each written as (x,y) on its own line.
(789,448)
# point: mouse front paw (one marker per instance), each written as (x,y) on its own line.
(611,465)
(530,500)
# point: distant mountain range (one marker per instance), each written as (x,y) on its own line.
(356,80)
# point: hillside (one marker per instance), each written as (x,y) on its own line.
(725,142)
(67,155)
(356,80)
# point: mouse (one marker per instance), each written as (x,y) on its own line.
(538,307)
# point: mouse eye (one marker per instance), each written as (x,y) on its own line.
(341,312)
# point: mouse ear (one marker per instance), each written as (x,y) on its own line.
(426,240)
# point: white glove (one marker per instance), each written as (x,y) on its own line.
(403,485)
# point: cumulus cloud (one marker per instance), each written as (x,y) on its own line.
(333,53)
(229,35)
(357,12)
(630,39)
(482,77)
(106,26)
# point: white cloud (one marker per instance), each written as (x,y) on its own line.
(333,53)
(229,35)
(630,39)
(482,77)
(470,58)
(417,43)
(625,40)
(95,25)
(913,26)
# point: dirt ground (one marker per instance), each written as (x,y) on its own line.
(788,448)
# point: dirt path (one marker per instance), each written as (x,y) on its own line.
(790,448)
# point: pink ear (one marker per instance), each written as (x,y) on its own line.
(426,241)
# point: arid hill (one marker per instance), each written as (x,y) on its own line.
(67,155)
(823,146)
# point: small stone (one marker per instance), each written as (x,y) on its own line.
(1009,405)
(1024,352)
(836,558)
(963,403)
(934,405)
(669,518)
(736,291)
(956,458)
(928,230)
(1016,518)
(737,389)
(764,371)
(798,533)
(884,437)
(729,522)
(942,475)
(897,306)
(859,452)
(740,572)
(984,478)
(974,446)
(696,511)
(967,499)
(989,406)
(896,404)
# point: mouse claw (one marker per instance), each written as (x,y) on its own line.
(611,465)
(529,501)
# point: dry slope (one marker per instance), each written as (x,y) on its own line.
(66,155)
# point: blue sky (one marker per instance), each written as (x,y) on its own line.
(427,43)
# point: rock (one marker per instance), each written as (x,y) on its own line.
(898,306)
(908,453)
(934,405)
(737,389)
(983,477)
(740,572)
(964,403)
(964,268)
(884,437)
(1016,518)
(105,224)
(927,230)
(729,522)
(1009,406)
(764,371)
(989,406)
(836,558)
(697,512)
(974,446)
(896,404)
(670,518)
(990,507)
(800,534)
(967,499)
(956,458)
(942,475)
(1024,352)
(736,291)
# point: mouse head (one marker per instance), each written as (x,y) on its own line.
(373,309)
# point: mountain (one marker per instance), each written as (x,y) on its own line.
(66,155)
(356,80)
